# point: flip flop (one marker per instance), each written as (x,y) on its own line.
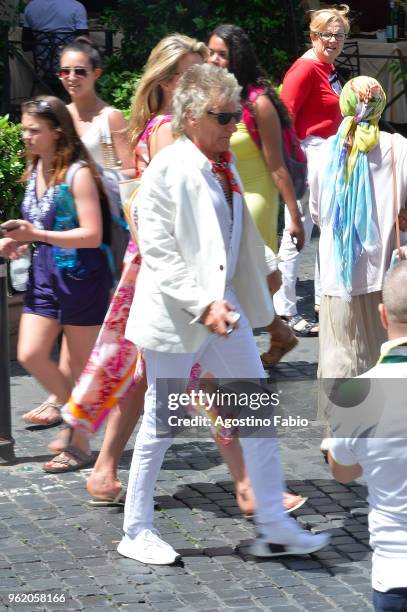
(31,416)
(296,501)
(70,460)
(108,502)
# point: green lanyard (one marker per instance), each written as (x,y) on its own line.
(394,359)
(394,355)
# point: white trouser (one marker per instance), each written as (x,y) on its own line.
(285,300)
(233,357)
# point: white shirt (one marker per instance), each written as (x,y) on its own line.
(384,464)
(369,270)
(55,16)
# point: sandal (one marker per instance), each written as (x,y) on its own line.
(110,501)
(70,460)
(61,442)
(50,407)
(290,503)
(303,328)
(277,351)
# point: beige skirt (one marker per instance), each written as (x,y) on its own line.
(350,335)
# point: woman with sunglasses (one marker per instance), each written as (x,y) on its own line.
(66,214)
(257,145)
(260,165)
(104,132)
(311,90)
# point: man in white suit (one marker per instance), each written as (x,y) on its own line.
(203,262)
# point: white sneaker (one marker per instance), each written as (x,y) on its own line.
(148,547)
(303,543)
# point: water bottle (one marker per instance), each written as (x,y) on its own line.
(19,269)
(65,219)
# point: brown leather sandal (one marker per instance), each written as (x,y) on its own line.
(277,351)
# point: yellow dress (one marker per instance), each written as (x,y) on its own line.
(260,193)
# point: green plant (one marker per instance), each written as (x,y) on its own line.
(274,26)
(11,168)
(117,88)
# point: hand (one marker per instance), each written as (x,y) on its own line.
(403,220)
(296,230)
(8,248)
(25,231)
(217,316)
(274,281)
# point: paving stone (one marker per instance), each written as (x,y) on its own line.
(49,537)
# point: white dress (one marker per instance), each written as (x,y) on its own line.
(98,140)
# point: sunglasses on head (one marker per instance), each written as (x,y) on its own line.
(78,71)
(40,105)
(225,118)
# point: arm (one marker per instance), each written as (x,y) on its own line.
(297,85)
(81,19)
(342,460)
(268,124)
(344,473)
(89,233)
(119,131)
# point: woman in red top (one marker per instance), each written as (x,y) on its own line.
(311,90)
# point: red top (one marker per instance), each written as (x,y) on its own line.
(311,92)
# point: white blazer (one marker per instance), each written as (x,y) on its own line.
(184,258)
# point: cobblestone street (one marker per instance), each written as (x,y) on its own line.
(51,542)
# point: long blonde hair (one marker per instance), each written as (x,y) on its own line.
(161,67)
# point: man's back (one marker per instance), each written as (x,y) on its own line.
(383,459)
(55,16)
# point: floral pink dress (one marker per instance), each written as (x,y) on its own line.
(116,365)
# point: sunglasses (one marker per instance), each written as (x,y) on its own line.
(78,71)
(225,118)
(326,36)
(40,105)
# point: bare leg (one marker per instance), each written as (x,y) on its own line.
(233,457)
(80,341)
(48,412)
(34,351)
(120,425)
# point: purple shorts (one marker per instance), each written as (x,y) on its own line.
(81,299)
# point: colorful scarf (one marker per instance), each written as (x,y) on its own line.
(222,166)
(346,203)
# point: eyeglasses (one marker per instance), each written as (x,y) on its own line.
(78,71)
(326,36)
(225,118)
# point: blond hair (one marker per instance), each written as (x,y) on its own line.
(322,18)
(161,67)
